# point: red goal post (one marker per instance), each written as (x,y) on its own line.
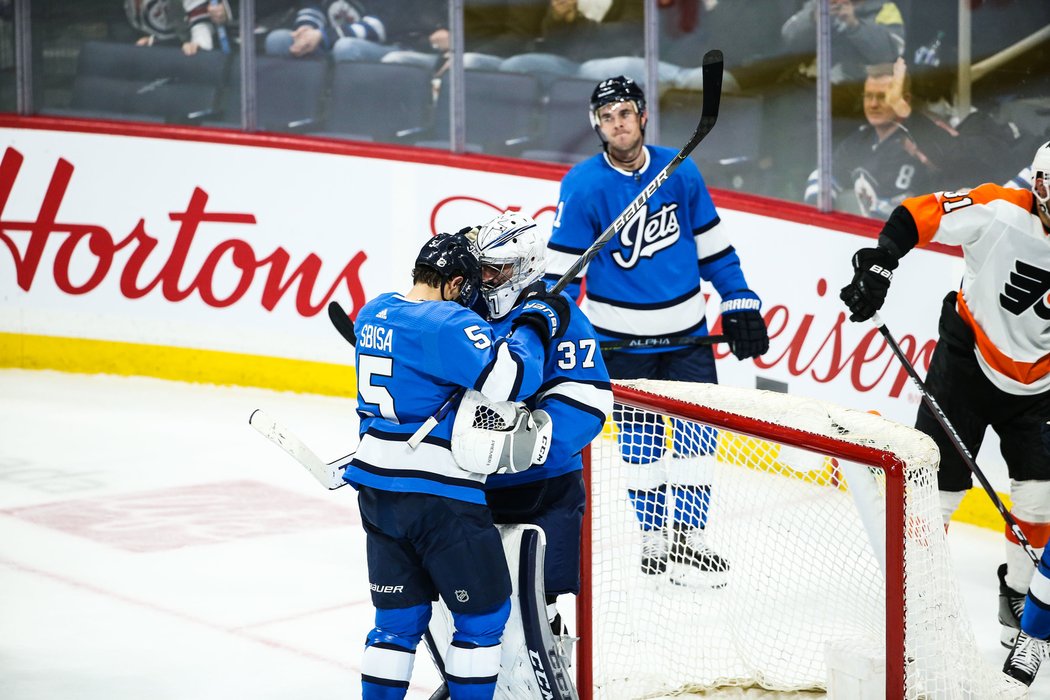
(830,523)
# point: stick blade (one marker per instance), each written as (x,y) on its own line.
(712,68)
(328,475)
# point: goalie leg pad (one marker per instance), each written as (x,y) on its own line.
(538,662)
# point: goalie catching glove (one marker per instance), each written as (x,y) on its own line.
(504,437)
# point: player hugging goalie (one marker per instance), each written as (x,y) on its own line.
(429,530)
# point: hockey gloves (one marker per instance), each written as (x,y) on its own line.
(548,314)
(873,271)
(743,325)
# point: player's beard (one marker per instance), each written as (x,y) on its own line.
(628,154)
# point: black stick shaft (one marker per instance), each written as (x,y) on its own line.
(956,441)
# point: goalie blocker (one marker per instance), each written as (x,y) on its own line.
(534,664)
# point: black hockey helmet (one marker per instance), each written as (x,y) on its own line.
(453,255)
(618,89)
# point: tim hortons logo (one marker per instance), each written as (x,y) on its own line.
(644,236)
(174,278)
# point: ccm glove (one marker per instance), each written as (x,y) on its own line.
(873,272)
(743,325)
(548,314)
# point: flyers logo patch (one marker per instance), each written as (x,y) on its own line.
(1027,289)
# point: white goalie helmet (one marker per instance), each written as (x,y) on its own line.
(1041,177)
(512,252)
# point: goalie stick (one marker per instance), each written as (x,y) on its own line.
(712,76)
(956,441)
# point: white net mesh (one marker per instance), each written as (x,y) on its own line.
(721,558)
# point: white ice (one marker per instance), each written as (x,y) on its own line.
(153,545)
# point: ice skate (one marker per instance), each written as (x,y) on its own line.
(702,564)
(1025,657)
(654,552)
(1011,605)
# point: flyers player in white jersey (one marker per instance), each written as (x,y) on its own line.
(991,366)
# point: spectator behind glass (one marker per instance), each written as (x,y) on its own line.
(543,37)
(194,24)
(864,33)
(880,162)
(681,40)
(318,27)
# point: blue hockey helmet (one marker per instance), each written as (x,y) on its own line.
(618,89)
(453,255)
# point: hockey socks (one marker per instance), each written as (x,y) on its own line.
(690,506)
(390,652)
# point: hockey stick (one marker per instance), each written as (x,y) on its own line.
(712,75)
(342,323)
(664,341)
(328,475)
(956,441)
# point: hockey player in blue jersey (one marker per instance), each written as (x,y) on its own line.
(575,393)
(644,287)
(428,530)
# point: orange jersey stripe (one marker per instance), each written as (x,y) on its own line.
(928,209)
(1023,372)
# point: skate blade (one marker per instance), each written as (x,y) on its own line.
(1007,636)
(691,577)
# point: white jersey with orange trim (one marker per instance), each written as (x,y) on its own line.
(1004,293)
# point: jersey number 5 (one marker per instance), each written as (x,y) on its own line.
(369,366)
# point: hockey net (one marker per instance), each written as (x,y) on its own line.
(829,521)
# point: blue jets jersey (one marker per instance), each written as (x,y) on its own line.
(645,282)
(575,392)
(411,357)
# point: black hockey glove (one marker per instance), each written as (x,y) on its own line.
(873,271)
(547,313)
(747,333)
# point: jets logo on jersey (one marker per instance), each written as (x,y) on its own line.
(1027,288)
(644,236)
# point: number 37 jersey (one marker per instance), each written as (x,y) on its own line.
(411,357)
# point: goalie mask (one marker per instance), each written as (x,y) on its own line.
(1041,178)
(512,255)
(618,89)
(452,255)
